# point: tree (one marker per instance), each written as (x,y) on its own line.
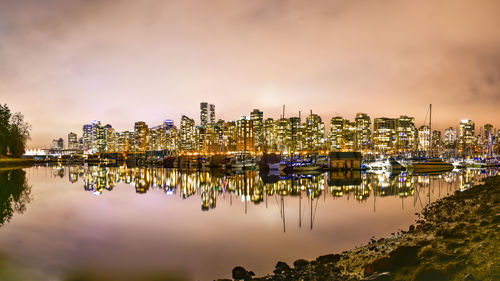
(19,134)
(4,128)
(14,132)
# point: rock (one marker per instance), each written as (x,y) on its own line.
(331,258)
(379,265)
(411,228)
(429,272)
(301,263)
(239,273)
(404,255)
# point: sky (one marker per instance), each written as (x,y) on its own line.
(65,63)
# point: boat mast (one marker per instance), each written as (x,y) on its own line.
(430,127)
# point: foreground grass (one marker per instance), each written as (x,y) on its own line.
(455,238)
(15,162)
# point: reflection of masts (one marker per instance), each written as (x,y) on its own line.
(300,208)
(283,212)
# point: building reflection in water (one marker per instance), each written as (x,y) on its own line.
(253,187)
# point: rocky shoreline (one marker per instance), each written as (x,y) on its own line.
(455,238)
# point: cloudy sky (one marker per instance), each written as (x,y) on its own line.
(64,63)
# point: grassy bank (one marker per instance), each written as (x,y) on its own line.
(455,238)
(6,162)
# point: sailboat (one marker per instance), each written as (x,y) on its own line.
(431,164)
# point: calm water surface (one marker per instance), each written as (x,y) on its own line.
(61,222)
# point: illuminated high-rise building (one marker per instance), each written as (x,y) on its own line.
(349,136)
(110,139)
(88,136)
(245,134)
(406,135)
(363,131)
(58,144)
(141,132)
(270,138)
(123,141)
(450,138)
(204,113)
(230,136)
(424,139)
(257,118)
(437,142)
(466,133)
(314,133)
(73,141)
(187,134)
(384,134)
(488,130)
(335,139)
(283,137)
(212,113)
(296,135)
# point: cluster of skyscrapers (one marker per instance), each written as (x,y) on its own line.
(256,134)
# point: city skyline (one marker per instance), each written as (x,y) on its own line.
(66,62)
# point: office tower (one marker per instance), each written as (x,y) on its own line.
(335,139)
(467,131)
(187,134)
(88,136)
(212,114)
(245,134)
(363,131)
(73,141)
(122,141)
(204,113)
(406,136)
(384,134)
(141,134)
(314,133)
(257,118)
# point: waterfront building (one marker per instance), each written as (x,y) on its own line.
(204,113)
(230,137)
(405,135)
(270,137)
(450,138)
(335,138)
(437,143)
(257,118)
(314,137)
(424,139)
(123,141)
(349,131)
(296,135)
(245,134)
(141,132)
(110,139)
(363,132)
(73,141)
(283,137)
(88,136)
(187,135)
(466,139)
(384,135)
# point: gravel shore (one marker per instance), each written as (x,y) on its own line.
(454,238)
